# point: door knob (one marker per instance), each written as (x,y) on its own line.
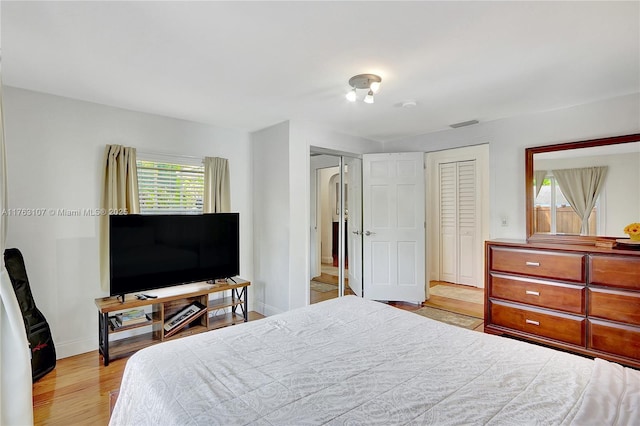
(367,233)
(356,232)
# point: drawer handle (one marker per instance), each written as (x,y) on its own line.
(533,293)
(532,263)
(532,322)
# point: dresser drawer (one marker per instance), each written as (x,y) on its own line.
(562,327)
(621,306)
(538,263)
(615,271)
(562,297)
(617,339)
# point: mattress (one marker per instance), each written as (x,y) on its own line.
(353,361)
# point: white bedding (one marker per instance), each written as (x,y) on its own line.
(612,397)
(352,361)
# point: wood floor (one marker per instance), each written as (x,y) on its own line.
(453,305)
(445,303)
(77,391)
(319,296)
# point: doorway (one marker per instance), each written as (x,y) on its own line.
(458,216)
(335,245)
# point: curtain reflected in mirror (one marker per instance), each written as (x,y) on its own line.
(554,213)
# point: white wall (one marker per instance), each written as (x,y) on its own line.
(271,218)
(508,139)
(282,208)
(55,151)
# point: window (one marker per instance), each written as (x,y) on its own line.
(554,214)
(170,186)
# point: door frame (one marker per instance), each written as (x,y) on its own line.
(479,153)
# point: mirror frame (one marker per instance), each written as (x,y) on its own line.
(529,152)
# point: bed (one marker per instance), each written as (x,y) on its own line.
(350,361)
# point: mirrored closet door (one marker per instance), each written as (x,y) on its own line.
(336,225)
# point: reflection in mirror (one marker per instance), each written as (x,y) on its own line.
(584,191)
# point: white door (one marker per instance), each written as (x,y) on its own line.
(353,201)
(393,226)
(458,223)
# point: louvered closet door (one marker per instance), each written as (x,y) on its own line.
(458,222)
(448,221)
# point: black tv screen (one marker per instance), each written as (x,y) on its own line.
(153,251)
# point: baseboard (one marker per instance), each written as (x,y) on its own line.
(75,347)
(265,309)
(327,259)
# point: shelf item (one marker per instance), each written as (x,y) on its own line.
(202,316)
(114,323)
(116,327)
(606,243)
(584,299)
(189,313)
(183,318)
(628,243)
(132,317)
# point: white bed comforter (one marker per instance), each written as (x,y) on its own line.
(350,361)
(612,397)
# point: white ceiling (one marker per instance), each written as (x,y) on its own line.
(250,65)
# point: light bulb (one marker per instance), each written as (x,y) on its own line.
(375,86)
(369,98)
(351,96)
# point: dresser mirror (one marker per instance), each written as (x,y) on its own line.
(578,192)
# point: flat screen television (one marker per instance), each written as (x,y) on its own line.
(153,251)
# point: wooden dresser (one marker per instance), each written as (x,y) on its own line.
(583,299)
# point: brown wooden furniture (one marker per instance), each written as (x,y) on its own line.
(580,298)
(162,309)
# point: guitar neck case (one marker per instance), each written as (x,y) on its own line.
(43,351)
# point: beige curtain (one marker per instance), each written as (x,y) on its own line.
(119,193)
(539,176)
(216,185)
(15,356)
(581,188)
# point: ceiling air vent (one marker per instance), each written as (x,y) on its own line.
(463,124)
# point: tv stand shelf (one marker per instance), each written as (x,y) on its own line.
(215,313)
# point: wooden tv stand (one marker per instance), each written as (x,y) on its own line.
(214,314)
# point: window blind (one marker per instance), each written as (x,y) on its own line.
(169,188)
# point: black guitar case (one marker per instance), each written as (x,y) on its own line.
(43,352)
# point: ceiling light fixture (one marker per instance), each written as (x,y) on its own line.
(369,98)
(352,95)
(370,82)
